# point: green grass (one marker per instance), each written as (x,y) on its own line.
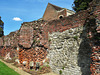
(5,70)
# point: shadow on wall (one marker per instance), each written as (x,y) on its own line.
(85,51)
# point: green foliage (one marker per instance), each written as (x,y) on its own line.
(60,72)
(75,37)
(96,15)
(63,67)
(34,40)
(5,70)
(43,66)
(97,37)
(49,40)
(40,67)
(47,65)
(88,35)
(32,69)
(47,62)
(1,22)
(1,35)
(80,4)
(1,29)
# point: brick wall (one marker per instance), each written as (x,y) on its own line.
(33,35)
(50,13)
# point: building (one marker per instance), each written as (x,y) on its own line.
(54,12)
(1,27)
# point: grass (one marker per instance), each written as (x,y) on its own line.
(5,70)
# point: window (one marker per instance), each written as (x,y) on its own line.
(61,16)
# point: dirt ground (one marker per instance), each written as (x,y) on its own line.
(51,73)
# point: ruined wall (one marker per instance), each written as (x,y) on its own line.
(68,39)
(31,46)
(66,23)
(94,37)
(32,37)
(26,35)
(1,41)
(27,43)
(70,52)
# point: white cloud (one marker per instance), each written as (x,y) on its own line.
(17,19)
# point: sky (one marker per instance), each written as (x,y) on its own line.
(14,12)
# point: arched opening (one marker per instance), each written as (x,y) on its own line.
(61,16)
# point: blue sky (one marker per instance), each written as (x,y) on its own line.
(15,12)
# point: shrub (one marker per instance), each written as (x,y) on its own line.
(60,72)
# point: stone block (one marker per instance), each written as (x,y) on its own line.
(31,63)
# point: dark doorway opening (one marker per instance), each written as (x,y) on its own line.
(60,17)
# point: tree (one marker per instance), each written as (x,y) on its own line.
(79,5)
(1,27)
(1,31)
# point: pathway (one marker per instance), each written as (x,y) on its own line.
(21,72)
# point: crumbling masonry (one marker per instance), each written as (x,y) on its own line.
(32,43)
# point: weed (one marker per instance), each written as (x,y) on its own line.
(47,65)
(40,67)
(49,40)
(60,72)
(63,67)
(75,37)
